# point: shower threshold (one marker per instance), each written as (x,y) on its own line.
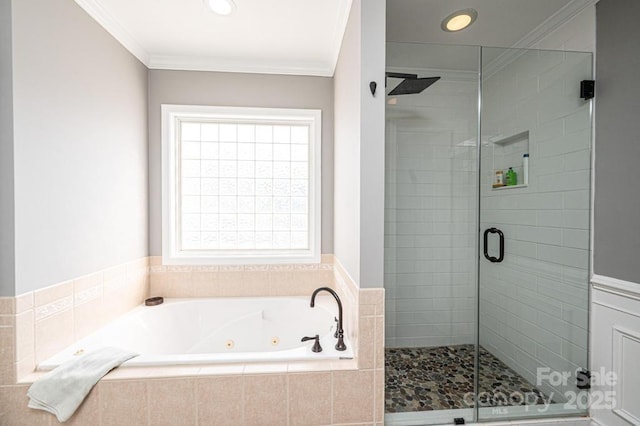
(557,413)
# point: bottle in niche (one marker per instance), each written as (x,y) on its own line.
(511,177)
(499,180)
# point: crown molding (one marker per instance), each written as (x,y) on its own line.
(338,33)
(206,63)
(555,21)
(194,63)
(113,27)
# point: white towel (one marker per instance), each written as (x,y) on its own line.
(62,390)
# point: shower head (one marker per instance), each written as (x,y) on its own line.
(412,85)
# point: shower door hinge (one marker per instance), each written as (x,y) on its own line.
(583,379)
(458,421)
(587,89)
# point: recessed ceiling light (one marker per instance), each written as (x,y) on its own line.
(459,20)
(221,7)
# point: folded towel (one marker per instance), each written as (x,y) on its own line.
(62,390)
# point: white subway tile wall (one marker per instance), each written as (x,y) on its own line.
(533,306)
(431,213)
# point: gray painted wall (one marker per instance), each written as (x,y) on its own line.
(80,139)
(359,144)
(234,89)
(347,92)
(7,259)
(617,164)
(372,146)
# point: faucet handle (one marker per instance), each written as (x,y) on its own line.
(316,346)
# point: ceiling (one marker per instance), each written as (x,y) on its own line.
(304,36)
(500,23)
(264,36)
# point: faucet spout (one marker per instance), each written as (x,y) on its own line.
(340,346)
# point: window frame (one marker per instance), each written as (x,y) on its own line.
(171,207)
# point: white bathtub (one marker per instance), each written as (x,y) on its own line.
(218,330)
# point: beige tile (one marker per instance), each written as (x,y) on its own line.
(52,293)
(371,296)
(353,396)
(53,334)
(310,399)
(7,345)
(7,305)
(258,281)
(378,400)
(172,284)
(14,410)
(327,258)
(25,338)
(88,317)
(301,279)
(204,284)
(7,356)
(366,338)
(219,401)
(24,302)
(379,343)
(156,283)
(367,310)
(172,402)
(123,402)
(25,367)
(230,283)
(115,304)
(7,320)
(7,374)
(88,413)
(283,280)
(265,400)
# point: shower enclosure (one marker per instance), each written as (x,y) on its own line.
(486,284)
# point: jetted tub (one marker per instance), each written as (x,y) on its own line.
(218,330)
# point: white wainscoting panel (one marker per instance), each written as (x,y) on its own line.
(615,348)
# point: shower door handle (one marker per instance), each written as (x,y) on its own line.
(486,245)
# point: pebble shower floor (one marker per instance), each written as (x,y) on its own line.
(425,379)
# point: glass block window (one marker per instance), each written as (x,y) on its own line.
(241,185)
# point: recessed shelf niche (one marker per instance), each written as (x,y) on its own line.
(508,152)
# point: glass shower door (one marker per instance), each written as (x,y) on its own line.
(534,186)
(430,232)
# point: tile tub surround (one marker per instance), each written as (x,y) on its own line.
(335,392)
(239,280)
(36,325)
